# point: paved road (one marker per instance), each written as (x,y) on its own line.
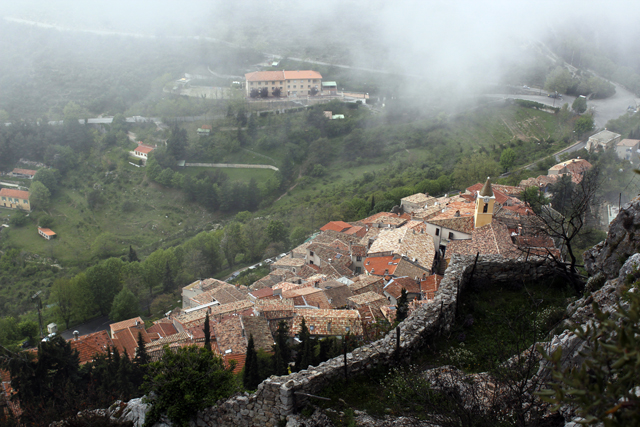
(94,325)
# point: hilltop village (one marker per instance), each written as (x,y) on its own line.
(347,278)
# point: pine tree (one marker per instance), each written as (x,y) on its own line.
(133,256)
(402,306)
(251,375)
(207,332)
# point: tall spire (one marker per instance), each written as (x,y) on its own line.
(486,190)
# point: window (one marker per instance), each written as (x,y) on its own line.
(311,328)
(311,262)
(328,326)
(259,83)
(308,81)
(251,83)
(310,253)
(437,231)
(288,86)
(450,236)
(273,83)
(358,258)
(309,86)
(485,208)
(294,86)
(358,270)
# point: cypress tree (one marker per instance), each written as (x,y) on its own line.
(250,375)
(133,256)
(167,281)
(281,350)
(305,355)
(207,333)
(402,306)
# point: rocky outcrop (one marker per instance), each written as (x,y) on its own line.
(623,240)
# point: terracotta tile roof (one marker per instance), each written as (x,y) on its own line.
(384,219)
(330,236)
(365,283)
(46,231)
(356,230)
(463,224)
(205,284)
(419,198)
(328,322)
(32,172)
(88,346)
(389,312)
(259,328)
(572,166)
(115,327)
(337,294)
(500,196)
(302,74)
(188,320)
(272,278)
(409,241)
(408,268)
(224,294)
(260,76)
(287,286)
(17,194)
(368,298)
(287,261)
(431,285)
(424,214)
(261,293)
(545,180)
(127,339)
(358,250)
(491,239)
(276,309)
(381,265)
(229,334)
(161,330)
(308,297)
(239,359)
(339,226)
(395,286)
(301,251)
(144,149)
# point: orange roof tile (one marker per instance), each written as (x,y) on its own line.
(18,194)
(144,149)
(378,265)
(32,172)
(115,327)
(339,226)
(260,76)
(88,346)
(47,231)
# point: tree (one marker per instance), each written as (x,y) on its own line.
(304,357)
(603,388)
(507,158)
(104,281)
(564,219)
(62,295)
(579,105)
(475,168)
(207,332)
(264,92)
(313,91)
(49,177)
(133,256)
(125,306)
(168,283)
(254,93)
(276,92)
(281,350)
(177,142)
(39,195)
(195,374)
(250,374)
(584,124)
(276,231)
(558,80)
(402,306)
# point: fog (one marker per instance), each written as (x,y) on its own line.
(450,44)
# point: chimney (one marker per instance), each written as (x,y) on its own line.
(457,214)
(76,335)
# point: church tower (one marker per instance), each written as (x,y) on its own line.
(485,200)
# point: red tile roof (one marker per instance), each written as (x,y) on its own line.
(260,76)
(115,327)
(90,345)
(127,339)
(144,149)
(339,226)
(161,330)
(17,194)
(46,231)
(381,265)
(29,171)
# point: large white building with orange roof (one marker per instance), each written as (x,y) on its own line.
(289,83)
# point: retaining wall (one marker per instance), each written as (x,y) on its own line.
(277,397)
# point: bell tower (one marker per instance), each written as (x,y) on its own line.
(485,200)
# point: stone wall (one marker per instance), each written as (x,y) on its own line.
(278,397)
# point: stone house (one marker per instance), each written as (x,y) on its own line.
(627,149)
(602,140)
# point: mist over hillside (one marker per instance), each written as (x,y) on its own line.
(451,45)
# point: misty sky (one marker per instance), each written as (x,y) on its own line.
(446,40)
